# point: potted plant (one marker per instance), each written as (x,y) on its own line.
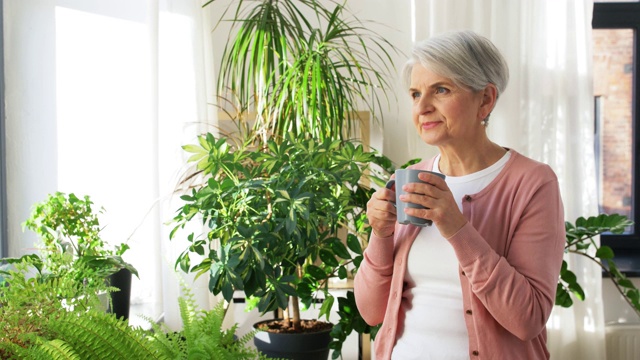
(304,67)
(272,219)
(35,324)
(580,240)
(69,228)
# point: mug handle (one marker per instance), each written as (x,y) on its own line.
(389,185)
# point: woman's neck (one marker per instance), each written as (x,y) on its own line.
(466,160)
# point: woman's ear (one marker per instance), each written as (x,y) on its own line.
(489,98)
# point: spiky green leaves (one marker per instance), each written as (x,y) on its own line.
(303,66)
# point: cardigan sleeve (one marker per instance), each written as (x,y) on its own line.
(518,288)
(373,280)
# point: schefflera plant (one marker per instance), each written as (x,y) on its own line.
(273,216)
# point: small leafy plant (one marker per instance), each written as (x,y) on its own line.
(580,240)
(69,226)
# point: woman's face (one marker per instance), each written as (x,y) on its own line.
(443,113)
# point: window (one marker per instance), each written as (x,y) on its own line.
(615,48)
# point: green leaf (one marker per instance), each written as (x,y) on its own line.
(339,249)
(325,309)
(562,297)
(604,252)
(316,272)
(577,290)
(328,258)
(354,244)
(342,272)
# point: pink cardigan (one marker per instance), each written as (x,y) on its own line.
(509,252)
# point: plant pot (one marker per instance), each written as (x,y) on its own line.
(297,346)
(120,300)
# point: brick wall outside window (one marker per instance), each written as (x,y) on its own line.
(613,75)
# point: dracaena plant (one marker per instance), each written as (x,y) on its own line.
(302,66)
(272,219)
(580,237)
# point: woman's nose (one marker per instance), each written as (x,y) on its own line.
(425,105)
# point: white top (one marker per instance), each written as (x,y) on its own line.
(434,326)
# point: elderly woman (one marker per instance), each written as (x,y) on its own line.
(480,283)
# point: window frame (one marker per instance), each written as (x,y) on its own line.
(609,15)
(4,240)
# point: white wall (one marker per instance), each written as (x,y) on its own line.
(30,122)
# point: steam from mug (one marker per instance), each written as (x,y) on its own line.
(404,176)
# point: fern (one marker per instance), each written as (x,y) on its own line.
(28,304)
(99,335)
(205,336)
(52,318)
(51,350)
(170,345)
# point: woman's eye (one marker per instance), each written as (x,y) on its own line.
(415,95)
(441,90)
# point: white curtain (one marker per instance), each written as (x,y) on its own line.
(546,113)
(100,97)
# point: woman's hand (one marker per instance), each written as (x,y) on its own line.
(381,212)
(438,199)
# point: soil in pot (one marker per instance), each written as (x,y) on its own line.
(307,326)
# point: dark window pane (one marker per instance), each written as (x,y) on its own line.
(613,81)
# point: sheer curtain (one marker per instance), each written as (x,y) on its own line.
(100,97)
(546,113)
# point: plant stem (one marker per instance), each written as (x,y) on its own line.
(295,309)
(609,275)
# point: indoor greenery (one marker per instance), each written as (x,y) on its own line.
(301,66)
(203,335)
(580,240)
(47,320)
(272,219)
(69,228)
(30,298)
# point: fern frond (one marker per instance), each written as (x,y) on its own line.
(205,335)
(52,350)
(169,344)
(98,335)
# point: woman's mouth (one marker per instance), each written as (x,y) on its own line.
(429,125)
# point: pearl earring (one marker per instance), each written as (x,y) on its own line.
(485,121)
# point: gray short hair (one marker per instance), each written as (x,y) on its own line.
(468,59)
